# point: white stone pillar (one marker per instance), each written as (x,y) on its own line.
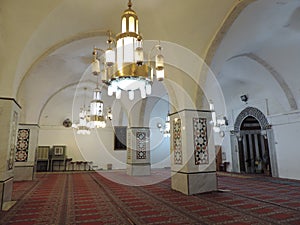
(138,151)
(9,114)
(193,159)
(26,145)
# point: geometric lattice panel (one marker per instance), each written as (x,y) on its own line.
(177,141)
(200,141)
(22,145)
(141,145)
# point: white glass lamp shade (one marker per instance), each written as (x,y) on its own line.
(160,75)
(214,118)
(125,51)
(118,93)
(96,115)
(128,49)
(123,24)
(96,108)
(143,92)
(110,57)
(139,52)
(131,24)
(159,62)
(96,67)
(131,95)
(83,130)
(110,90)
(99,124)
(139,55)
(148,89)
(159,66)
(211,105)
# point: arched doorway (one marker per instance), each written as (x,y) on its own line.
(252,144)
(254,153)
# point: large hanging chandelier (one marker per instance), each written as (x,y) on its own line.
(124,66)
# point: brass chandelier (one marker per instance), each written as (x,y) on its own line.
(124,66)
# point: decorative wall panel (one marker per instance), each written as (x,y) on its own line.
(200,141)
(141,145)
(177,141)
(22,145)
(13,141)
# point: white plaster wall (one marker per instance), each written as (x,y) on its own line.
(59,136)
(286,132)
(96,147)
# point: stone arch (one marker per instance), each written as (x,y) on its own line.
(254,112)
(228,21)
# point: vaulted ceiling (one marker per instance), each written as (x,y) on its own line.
(46,48)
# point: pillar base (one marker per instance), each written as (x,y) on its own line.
(23,173)
(194,183)
(139,169)
(7,205)
(6,188)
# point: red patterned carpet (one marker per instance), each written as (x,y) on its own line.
(90,198)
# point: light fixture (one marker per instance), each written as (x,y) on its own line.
(244,98)
(217,123)
(165,129)
(97,120)
(167,123)
(167,126)
(124,64)
(83,127)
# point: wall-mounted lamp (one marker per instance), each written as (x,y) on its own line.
(244,98)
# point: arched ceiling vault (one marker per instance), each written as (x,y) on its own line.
(59,40)
(277,76)
(267,33)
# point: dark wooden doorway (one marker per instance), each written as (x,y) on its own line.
(253,146)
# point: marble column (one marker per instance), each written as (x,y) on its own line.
(193,159)
(9,114)
(138,151)
(26,145)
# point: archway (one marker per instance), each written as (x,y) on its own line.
(253,147)
(254,156)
